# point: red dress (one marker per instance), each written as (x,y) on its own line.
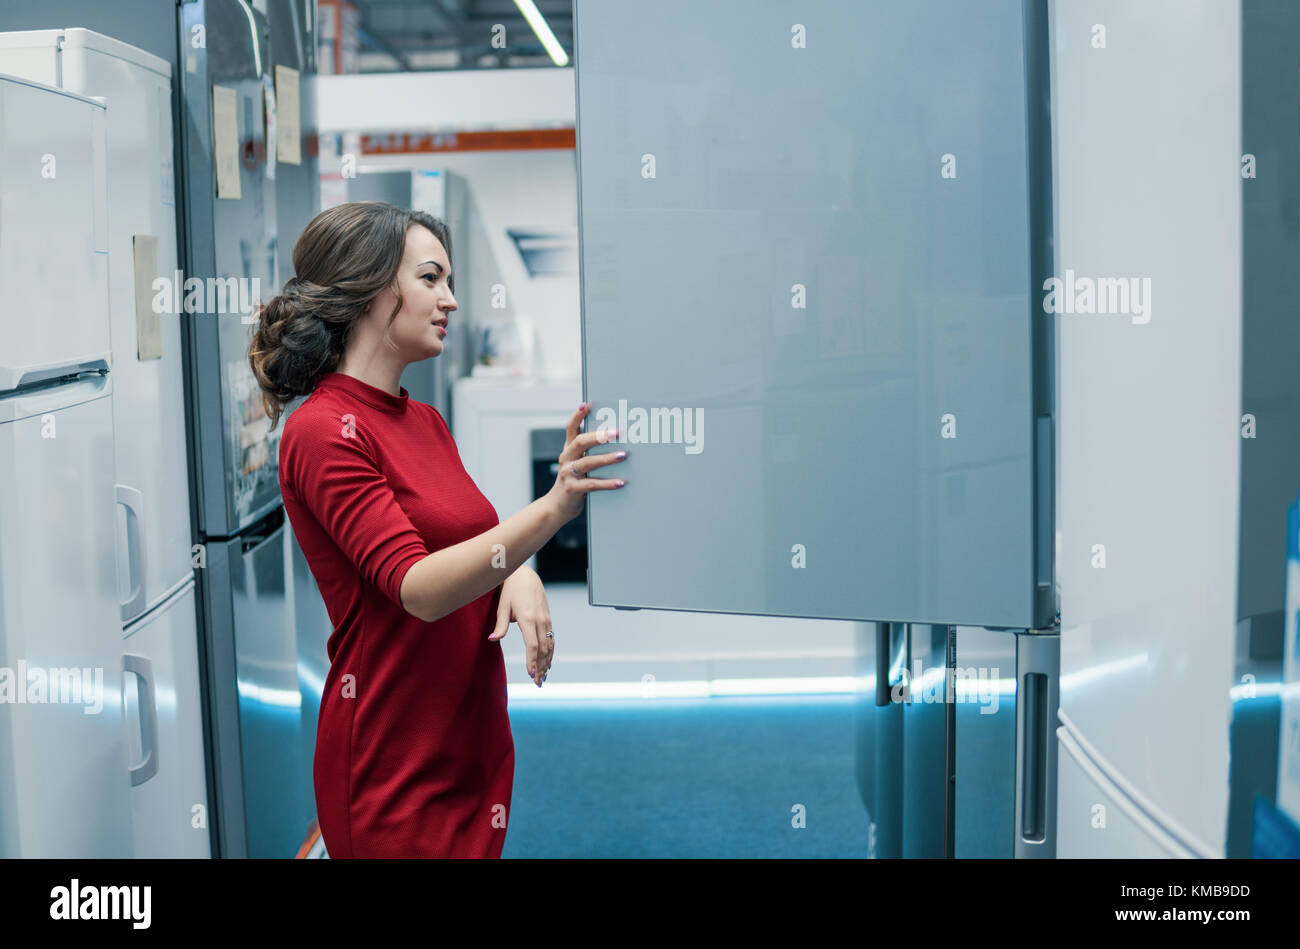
(414,754)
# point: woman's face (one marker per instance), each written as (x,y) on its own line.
(424,277)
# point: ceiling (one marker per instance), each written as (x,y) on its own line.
(419,35)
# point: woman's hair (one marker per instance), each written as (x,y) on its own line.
(345,257)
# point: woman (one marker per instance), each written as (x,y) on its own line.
(414,755)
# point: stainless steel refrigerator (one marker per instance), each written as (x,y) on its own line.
(255,708)
(809,283)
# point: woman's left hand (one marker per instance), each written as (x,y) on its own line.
(523,601)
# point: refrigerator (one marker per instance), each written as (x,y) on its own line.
(155,578)
(64,755)
(809,302)
(236,196)
(1177,160)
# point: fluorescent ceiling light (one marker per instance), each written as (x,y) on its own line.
(538,23)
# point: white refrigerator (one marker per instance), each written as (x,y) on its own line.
(64,787)
(156,613)
(1176,162)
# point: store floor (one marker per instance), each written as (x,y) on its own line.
(716,777)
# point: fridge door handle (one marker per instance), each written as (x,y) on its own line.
(133,501)
(1038,669)
(13,375)
(1036,732)
(148,765)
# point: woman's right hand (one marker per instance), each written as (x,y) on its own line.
(570,490)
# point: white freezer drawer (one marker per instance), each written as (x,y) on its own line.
(164,727)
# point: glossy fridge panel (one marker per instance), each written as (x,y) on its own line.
(808,272)
(232,248)
(277,808)
(312,632)
(985,718)
(296,186)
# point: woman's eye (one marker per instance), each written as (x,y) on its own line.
(428,276)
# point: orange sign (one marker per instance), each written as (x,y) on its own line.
(416,142)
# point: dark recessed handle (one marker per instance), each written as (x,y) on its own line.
(1033,757)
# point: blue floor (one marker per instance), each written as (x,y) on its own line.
(715,777)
